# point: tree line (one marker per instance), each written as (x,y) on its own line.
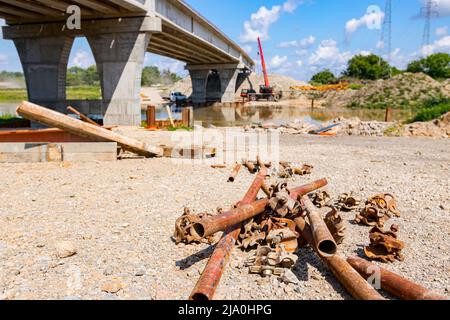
(373,67)
(78,77)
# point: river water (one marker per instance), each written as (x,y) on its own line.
(247,115)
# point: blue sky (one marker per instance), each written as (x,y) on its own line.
(302,37)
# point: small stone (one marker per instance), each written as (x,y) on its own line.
(140,273)
(442,207)
(193,273)
(298,289)
(315,276)
(125,225)
(289,277)
(108,271)
(113,286)
(65,249)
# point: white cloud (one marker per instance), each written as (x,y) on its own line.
(372,20)
(291,5)
(299,63)
(277,61)
(3,58)
(82,59)
(443,31)
(247,48)
(304,43)
(441,45)
(260,21)
(301,52)
(328,55)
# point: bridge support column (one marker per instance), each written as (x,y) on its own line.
(228,80)
(199,79)
(120,57)
(44,61)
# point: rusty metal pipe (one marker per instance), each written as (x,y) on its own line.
(209,280)
(250,166)
(235,172)
(351,280)
(221,222)
(394,283)
(324,241)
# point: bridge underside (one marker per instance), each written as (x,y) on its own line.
(119,40)
(26,11)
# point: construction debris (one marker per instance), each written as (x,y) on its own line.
(268,261)
(355,284)
(288,170)
(384,245)
(235,172)
(336,225)
(183,225)
(393,283)
(348,202)
(378,209)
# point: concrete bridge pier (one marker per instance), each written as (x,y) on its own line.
(214,83)
(119,58)
(44,61)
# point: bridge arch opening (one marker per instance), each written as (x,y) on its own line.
(82,78)
(213,86)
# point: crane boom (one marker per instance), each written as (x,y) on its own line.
(263,62)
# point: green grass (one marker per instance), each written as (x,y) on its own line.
(73,93)
(82,93)
(355,86)
(13,95)
(431,113)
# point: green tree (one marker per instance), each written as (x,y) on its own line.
(324,77)
(370,67)
(150,76)
(436,66)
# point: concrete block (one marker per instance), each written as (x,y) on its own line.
(56,152)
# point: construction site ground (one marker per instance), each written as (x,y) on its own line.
(119,218)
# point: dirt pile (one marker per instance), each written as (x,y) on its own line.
(402,91)
(280,82)
(439,128)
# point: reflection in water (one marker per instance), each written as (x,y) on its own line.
(226,116)
(230,116)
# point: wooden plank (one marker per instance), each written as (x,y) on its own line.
(55,119)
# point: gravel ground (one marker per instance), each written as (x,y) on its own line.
(118,219)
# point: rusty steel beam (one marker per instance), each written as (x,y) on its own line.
(209,226)
(324,241)
(394,283)
(235,172)
(351,280)
(209,280)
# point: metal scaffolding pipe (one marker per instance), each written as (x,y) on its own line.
(394,283)
(221,222)
(210,278)
(351,280)
(324,241)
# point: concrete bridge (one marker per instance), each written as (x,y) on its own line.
(119,33)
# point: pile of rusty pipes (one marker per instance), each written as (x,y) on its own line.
(351,273)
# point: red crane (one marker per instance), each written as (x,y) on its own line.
(266,92)
(263,63)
